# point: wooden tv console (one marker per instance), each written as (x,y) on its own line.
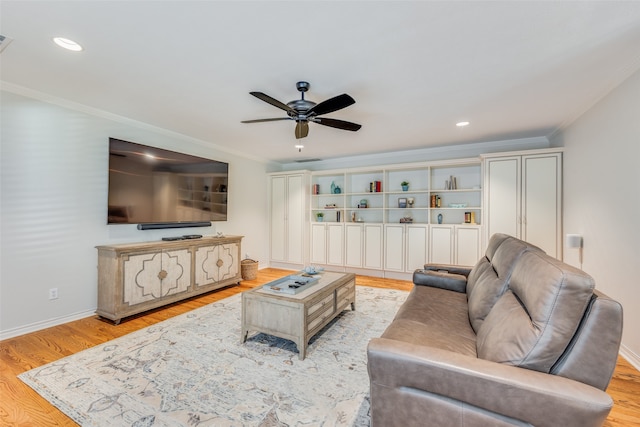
(136,277)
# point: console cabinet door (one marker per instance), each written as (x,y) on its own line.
(156,275)
(216,263)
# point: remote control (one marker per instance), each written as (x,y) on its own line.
(192,236)
(172,238)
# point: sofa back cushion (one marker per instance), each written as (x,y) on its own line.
(533,322)
(490,277)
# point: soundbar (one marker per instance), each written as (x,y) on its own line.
(185,224)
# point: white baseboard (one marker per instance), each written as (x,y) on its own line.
(630,356)
(37,326)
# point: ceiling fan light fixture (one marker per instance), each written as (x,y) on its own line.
(299,147)
(67,44)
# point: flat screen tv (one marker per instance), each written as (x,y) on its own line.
(151,186)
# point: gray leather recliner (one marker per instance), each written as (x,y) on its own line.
(520,339)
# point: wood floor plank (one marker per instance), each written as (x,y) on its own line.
(21,406)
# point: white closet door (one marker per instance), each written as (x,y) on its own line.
(541,202)
(503,196)
(278,218)
(295,218)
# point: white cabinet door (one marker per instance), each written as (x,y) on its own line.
(416,246)
(373,244)
(467,245)
(278,218)
(394,247)
(289,234)
(523,196)
(335,244)
(541,192)
(441,244)
(318,243)
(295,218)
(502,190)
(354,237)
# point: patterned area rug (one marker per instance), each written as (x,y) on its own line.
(192,370)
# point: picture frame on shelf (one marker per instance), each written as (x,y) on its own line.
(402,202)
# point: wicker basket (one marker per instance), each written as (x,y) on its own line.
(249,269)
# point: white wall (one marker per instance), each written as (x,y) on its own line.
(53,195)
(602,199)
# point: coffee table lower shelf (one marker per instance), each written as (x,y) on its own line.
(298,317)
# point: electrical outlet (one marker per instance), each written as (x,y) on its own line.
(53,293)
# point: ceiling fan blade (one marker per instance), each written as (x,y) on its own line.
(332,104)
(266,120)
(266,98)
(302,129)
(335,123)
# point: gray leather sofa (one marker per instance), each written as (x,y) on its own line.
(520,339)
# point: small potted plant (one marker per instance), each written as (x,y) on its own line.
(319,216)
(404,185)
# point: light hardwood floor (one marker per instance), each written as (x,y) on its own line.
(20,406)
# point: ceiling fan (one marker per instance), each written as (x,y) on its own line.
(303,111)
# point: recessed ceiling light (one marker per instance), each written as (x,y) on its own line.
(462,124)
(67,44)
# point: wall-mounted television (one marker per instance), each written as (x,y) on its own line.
(152,186)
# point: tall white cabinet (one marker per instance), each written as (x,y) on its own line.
(523,197)
(289,227)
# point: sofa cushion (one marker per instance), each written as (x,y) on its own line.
(489,280)
(436,318)
(532,323)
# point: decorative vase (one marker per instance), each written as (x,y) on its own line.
(405,188)
(333,187)
(439,218)
(319,218)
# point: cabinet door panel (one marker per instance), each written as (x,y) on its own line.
(441,244)
(394,247)
(503,196)
(335,244)
(153,276)
(353,237)
(373,243)
(278,207)
(318,244)
(417,241)
(295,218)
(540,202)
(467,246)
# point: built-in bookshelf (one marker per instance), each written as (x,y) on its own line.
(450,191)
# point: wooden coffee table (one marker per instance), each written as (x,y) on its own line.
(298,317)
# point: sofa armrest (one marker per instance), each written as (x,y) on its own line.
(449,268)
(440,279)
(414,380)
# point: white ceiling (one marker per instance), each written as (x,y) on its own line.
(514,69)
